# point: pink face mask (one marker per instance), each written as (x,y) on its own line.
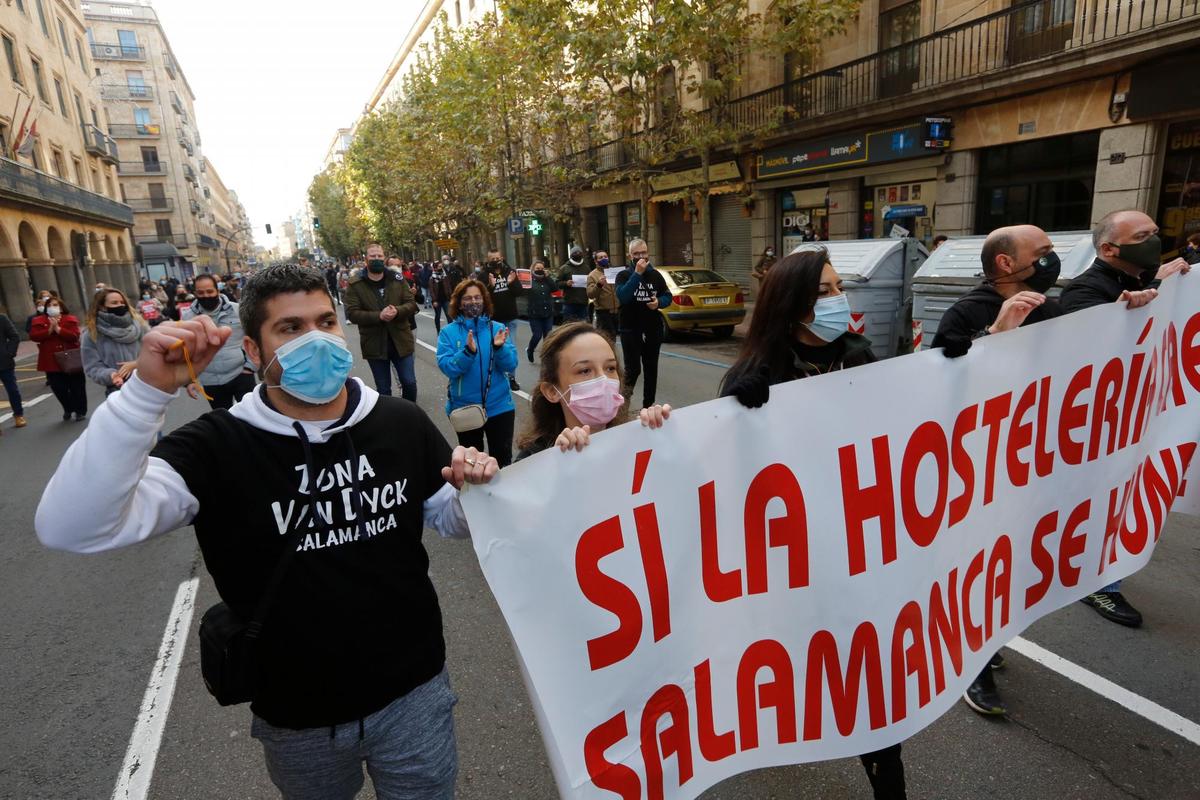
(594,402)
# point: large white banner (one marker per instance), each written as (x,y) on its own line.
(824,576)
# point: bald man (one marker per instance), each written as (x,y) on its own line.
(1126,269)
(1019,267)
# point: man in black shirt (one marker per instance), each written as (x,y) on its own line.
(642,291)
(1019,267)
(316,468)
(505,285)
(1126,269)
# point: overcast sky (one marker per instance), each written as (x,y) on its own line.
(274,80)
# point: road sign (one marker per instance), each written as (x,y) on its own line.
(516,226)
(447,244)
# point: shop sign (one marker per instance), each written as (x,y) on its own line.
(633,216)
(898,212)
(844,150)
(723,171)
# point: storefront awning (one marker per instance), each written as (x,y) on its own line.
(669,197)
(720,188)
(159,250)
(726,188)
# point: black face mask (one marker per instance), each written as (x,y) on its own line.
(376,265)
(209,303)
(117,311)
(1045,273)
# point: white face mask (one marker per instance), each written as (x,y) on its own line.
(53,311)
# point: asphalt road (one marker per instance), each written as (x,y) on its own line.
(80,634)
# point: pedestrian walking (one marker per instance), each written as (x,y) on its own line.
(112,337)
(356,672)
(642,291)
(475,354)
(230,375)
(578,392)
(1127,269)
(454,273)
(800,328)
(1019,267)
(39,308)
(331,280)
(10,340)
(603,295)
(57,334)
(762,267)
(572,279)
(504,286)
(380,303)
(540,307)
(150,308)
(424,274)
(1191,251)
(440,291)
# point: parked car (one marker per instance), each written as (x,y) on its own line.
(701,300)
(526,278)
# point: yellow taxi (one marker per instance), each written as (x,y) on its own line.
(701,300)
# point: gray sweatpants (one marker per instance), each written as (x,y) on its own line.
(408,747)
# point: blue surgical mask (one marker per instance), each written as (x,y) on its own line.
(315,366)
(831,318)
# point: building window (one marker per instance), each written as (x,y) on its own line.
(163,228)
(128,42)
(3,137)
(95,117)
(42,18)
(79,50)
(10,52)
(66,43)
(150,159)
(141,119)
(78,170)
(899,24)
(62,101)
(158,198)
(136,83)
(21,6)
(56,159)
(458,13)
(39,80)
(79,109)
(95,181)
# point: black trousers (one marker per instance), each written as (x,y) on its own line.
(885,771)
(224,395)
(499,431)
(641,356)
(607,322)
(70,390)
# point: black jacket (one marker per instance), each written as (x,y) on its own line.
(975,311)
(505,286)
(1099,284)
(541,296)
(572,294)
(846,351)
(10,340)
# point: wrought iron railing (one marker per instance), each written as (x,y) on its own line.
(118,52)
(177,239)
(135,131)
(29,185)
(141,168)
(99,143)
(151,203)
(127,91)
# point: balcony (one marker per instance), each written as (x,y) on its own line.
(194,205)
(98,143)
(118,52)
(176,103)
(208,241)
(141,168)
(27,185)
(177,239)
(135,131)
(151,204)
(190,175)
(126,91)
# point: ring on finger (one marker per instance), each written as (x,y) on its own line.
(471,461)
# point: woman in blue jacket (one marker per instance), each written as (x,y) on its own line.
(475,354)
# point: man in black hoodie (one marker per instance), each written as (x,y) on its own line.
(505,285)
(322,493)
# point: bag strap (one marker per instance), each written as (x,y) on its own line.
(487,388)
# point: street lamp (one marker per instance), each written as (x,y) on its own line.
(229,240)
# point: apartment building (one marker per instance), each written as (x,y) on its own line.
(62,225)
(338,147)
(149,109)
(950,117)
(229,222)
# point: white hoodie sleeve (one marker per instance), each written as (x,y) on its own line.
(444,513)
(107,491)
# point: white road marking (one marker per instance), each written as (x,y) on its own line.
(26,404)
(133,783)
(1147,709)
(433,349)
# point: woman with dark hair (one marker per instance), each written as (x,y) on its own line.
(578,392)
(475,354)
(57,331)
(800,329)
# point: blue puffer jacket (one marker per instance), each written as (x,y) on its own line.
(468,371)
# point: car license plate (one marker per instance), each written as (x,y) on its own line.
(716,301)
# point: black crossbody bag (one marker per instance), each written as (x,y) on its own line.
(228,660)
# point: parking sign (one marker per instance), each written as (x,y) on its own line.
(516,226)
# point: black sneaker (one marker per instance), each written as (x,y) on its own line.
(512,384)
(983,697)
(996,661)
(67,417)
(529,354)
(1114,607)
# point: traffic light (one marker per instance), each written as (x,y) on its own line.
(316,223)
(268,228)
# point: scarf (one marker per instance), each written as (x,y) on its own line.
(120,329)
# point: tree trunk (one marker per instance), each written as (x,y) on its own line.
(706,231)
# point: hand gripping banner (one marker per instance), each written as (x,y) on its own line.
(824,576)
